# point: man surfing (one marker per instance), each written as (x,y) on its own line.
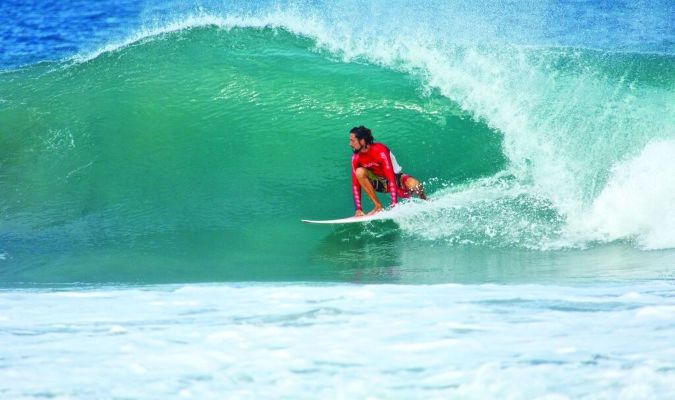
(374,168)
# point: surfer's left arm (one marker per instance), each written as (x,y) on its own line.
(390,176)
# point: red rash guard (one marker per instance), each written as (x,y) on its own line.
(377,160)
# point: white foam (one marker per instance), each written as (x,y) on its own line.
(639,200)
(656,312)
(405,344)
(117,330)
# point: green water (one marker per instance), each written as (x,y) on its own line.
(168,161)
(192,156)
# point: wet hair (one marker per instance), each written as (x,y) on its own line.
(361,132)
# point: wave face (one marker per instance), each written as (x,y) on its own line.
(204,140)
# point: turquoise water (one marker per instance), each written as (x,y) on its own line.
(156,163)
(191,155)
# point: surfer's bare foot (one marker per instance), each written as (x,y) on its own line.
(359,213)
(415,187)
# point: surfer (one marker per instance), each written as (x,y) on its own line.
(374,168)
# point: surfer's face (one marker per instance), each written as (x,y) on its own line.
(355,143)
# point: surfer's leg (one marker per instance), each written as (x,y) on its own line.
(414,186)
(362,176)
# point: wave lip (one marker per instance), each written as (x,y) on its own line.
(291,22)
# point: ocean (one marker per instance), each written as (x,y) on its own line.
(156,159)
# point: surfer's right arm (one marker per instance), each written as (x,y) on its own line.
(356,188)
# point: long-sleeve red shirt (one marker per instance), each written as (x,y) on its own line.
(377,159)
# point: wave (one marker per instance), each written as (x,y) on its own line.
(536,144)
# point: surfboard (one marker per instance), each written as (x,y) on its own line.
(350,220)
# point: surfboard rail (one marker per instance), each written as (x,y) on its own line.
(349,220)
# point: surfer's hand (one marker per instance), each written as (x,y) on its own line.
(359,213)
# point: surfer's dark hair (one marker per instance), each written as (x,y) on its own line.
(361,132)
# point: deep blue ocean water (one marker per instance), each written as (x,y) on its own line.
(33,31)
